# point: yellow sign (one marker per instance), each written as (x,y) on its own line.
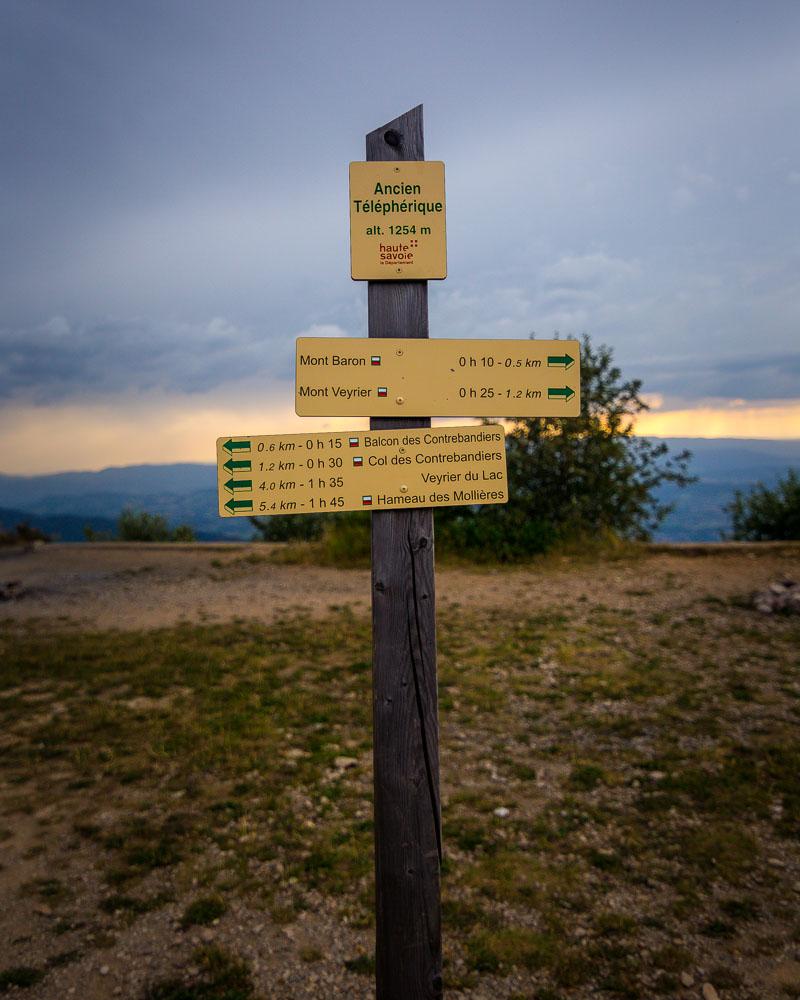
(397,220)
(437,378)
(361,470)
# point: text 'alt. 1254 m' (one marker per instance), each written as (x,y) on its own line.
(397,220)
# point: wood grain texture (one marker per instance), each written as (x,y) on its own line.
(408,847)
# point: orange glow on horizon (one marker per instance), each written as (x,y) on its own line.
(159,430)
(779,420)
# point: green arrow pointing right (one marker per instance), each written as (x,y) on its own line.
(560,361)
(231,466)
(234,505)
(231,446)
(566,393)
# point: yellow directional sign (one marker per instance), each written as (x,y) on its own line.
(397,220)
(437,378)
(361,470)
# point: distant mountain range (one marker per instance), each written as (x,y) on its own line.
(722,465)
(64,503)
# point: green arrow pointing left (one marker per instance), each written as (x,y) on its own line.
(231,446)
(566,393)
(560,361)
(243,465)
(233,485)
(234,505)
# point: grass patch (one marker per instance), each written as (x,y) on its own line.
(21,976)
(740,909)
(585,777)
(203,911)
(132,905)
(222,976)
(48,890)
(634,764)
(724,851)
(362,965)
(64,958)
(499,951)
(308,953)
(515,876)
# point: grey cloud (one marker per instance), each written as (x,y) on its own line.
(176,168)
(588,272)
(767,376)
(56,361)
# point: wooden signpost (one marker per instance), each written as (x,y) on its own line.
(400,470)
(408,816)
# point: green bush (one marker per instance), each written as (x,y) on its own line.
(347,539)
(290,527)
(21,976)
(91,535)
(204,911)
(335,539)
(139,526)
(767,515)
(22,533)
(590,474)
(486,534)
(573,479)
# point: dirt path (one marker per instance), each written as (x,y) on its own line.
(131,587)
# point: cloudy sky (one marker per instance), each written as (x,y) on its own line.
(174,204)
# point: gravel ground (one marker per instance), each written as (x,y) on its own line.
(130,586)
(77,588)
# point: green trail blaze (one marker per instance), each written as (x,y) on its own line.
(560,361)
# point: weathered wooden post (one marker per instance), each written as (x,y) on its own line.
(408,837)
(397,227)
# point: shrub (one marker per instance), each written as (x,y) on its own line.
(139,526)
(767,515)
(577,477)
(290,527)
(22,533)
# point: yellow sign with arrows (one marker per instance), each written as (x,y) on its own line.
(393,377)
(361,470)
